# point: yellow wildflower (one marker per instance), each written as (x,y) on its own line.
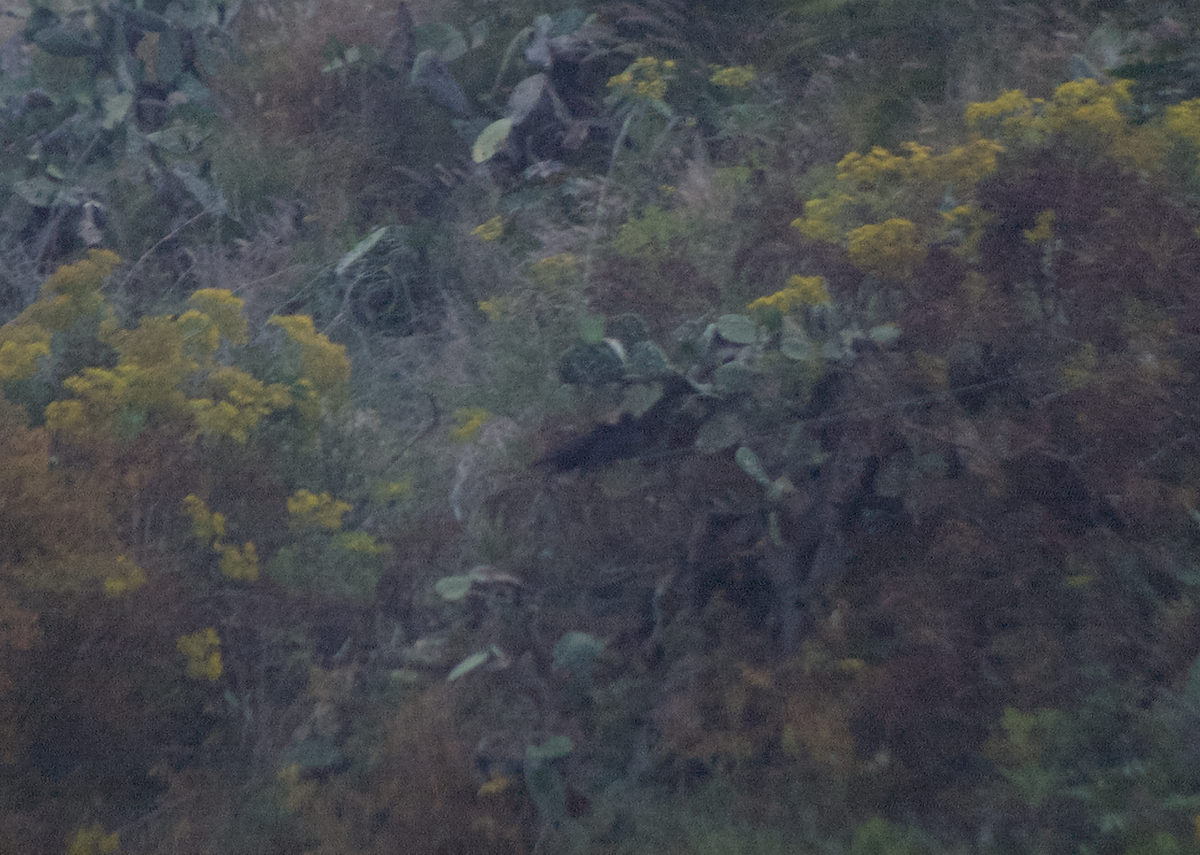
(470,420)
(244,401)
(226,312)
(490,230)
(1012,116)
(891,249)
(644,78)
(316,510)
(495,308)
(1043,228)
(93,841)
(207,526)
(824,217)
(801,291)
(238,563)
(360,542)
(21,346)
(391,491)
(555,273)
(323,363)
(203,652)
(733,76)
(1183,124)
(128,577)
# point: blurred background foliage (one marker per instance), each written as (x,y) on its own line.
(615,427)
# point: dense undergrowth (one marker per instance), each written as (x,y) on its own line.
(634,427)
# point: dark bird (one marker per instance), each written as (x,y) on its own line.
(666,426)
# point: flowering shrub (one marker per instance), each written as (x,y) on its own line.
(646,78)
(203,652)
(801,291)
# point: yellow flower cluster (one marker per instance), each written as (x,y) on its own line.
(242,403)
(646,77)
(73,291)
(965,223)
(361,543)
(1088,115)
(495,308)
(310,510)
(1043,228)
(128,577)
(490,230)
(157,362)
(392,491)
(733,76)
(1182,124)
(469,421)
(225,312)
(1011,117)
(891,249)
(882,185)
(323,363)
(554,274)
(237,563)
(207,526)
(963,166)
(203,652)
(93,841)
(801,292)
(20,349)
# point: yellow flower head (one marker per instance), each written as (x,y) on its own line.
(21,346)
(316,510)
(238,563)
(126,577)
(323,363)
(226,312)
(891,249)
(93,841)
(801,292)
(203,652)
(646,77)
(207,526)
(1043,228)
(495,308)
(490,230)
(470,420)
(733,77)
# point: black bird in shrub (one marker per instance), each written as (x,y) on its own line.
(667,426)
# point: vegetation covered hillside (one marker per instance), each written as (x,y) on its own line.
(465,427)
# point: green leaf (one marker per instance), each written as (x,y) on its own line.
(751,465)
(553,748)
(116,107)
(38,191)
(591,329)
(453,588)
(884,335)
(493,138)
(796,345)
(469,664)
(360,249)
(737,329)
(445,39)
(576,653)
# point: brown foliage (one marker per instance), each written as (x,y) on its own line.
(417,793)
